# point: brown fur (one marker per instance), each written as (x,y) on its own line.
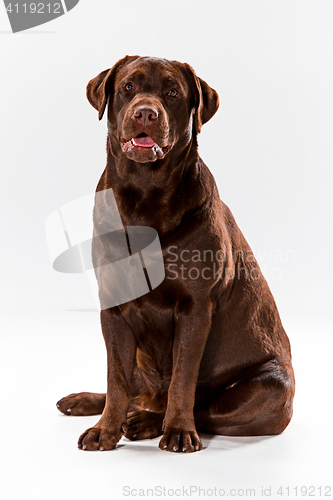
(207,354)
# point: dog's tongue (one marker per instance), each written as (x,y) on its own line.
(144,142)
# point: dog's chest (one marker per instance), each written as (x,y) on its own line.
(153,328)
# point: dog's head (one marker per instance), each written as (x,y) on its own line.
(154,105)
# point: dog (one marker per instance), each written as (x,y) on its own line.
(205,351)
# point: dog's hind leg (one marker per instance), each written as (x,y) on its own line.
(87,403)
(259,403)
(82,404)
(144,425)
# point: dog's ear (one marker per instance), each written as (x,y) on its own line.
(99,88)
(206,99)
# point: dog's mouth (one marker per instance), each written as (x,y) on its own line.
(143,142)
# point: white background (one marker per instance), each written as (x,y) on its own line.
(270,150)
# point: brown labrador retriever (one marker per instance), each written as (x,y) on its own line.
(205,350)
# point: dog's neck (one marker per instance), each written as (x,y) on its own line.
(157,193)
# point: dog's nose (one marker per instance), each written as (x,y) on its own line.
(145,114)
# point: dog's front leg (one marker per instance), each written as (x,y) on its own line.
(191,332)
(121,350)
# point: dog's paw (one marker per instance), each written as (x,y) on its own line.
(100,438)
(180,440)
(82,404)
(144,425)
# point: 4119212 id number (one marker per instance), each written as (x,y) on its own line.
(35,8)
(304,491)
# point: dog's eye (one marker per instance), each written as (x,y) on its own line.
(130,86)
(173,93)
